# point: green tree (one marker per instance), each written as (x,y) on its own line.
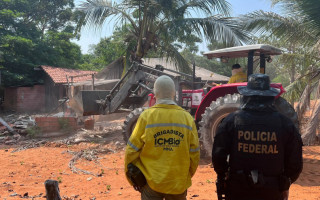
(164,26)
(299,28)
(36,33)
(106,51)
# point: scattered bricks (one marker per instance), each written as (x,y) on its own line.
(52,124)
(2,140)
(89,124)
(16,137)
(9,142)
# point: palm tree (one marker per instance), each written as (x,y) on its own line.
(300,27)
(164,25)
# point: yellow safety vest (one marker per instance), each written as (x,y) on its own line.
(165,147)
(238,78)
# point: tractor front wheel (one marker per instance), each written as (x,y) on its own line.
(212,117)
(130,123)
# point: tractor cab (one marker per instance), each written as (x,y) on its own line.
(263,51)
(221,100)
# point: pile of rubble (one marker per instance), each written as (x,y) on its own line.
(13,128)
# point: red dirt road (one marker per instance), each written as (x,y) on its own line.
(24,173)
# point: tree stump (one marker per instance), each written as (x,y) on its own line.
(52,190)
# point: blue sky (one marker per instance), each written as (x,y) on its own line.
(239,7)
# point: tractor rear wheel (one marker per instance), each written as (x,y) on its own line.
(212,117)
(130,123)
(284,107)
(222,107)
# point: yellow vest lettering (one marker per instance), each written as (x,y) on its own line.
(240,134)
(258,148)
(245,147)
(263,136)
(253,138)
(247,135)
(275,150)
(270,149)
(240,146)
(251,148)
(264,149)
(273,137)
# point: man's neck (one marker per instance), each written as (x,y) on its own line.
(235,71)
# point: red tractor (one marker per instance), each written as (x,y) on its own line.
(224,99)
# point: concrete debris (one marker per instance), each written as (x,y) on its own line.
(60,114)
(106,131)
(13,128)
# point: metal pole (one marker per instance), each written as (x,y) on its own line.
(193,74)
(250,63)
(92,81)
(262,64)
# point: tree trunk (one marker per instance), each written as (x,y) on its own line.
(52,190)
(292,73)
(143,29)
(304,102)
(309,137)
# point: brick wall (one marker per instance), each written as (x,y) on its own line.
(51,124)
(10,98)
(25,99)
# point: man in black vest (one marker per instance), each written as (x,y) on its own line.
(257,151)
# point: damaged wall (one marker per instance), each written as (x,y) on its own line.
(25,99)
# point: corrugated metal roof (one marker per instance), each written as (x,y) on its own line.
(205,74)
(58,75)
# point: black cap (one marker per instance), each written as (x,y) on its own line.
(258,85)
(236,66)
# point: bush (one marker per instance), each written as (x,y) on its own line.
(64,125)
(33,131)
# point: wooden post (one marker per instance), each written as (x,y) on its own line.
(92,81)
(52,190)
(71,80)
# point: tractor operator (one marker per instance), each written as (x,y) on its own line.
(257,152)
(237,74)
(164,146)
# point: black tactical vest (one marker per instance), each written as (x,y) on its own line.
(257,142)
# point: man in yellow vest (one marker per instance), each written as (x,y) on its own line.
(237,74)
(164,146)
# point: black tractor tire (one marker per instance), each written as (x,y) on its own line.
(285,108)
(130,123)
(221,108)
(211,119)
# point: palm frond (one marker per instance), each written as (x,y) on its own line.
(216,28)
(97,11)
(310,9)
(291,29)
(294,90)
(169,51)
(207,6)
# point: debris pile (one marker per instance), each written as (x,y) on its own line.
(13,128)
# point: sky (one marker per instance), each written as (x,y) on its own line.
(239,7)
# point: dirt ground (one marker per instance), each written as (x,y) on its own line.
(24,172)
